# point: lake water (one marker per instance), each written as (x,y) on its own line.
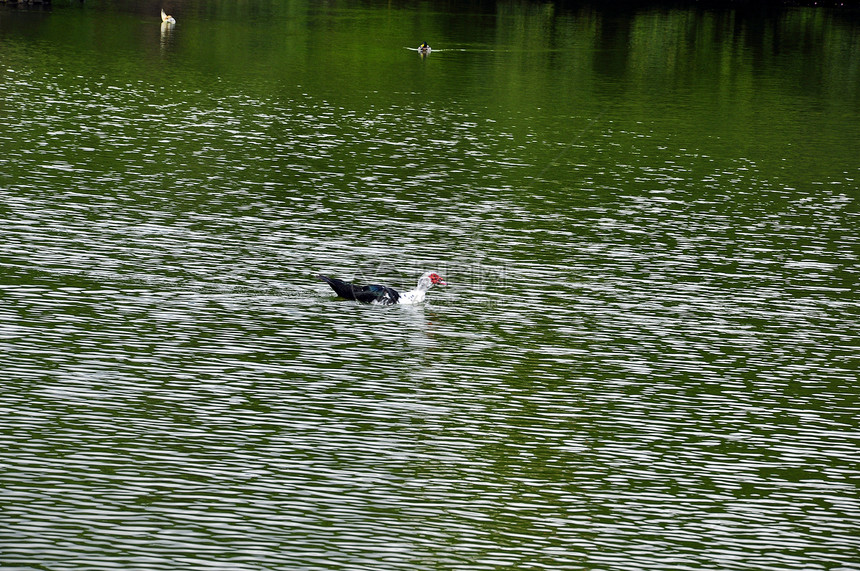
(646,356)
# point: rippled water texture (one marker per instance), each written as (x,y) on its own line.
(646,357)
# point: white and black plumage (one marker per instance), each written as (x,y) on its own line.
(384,295)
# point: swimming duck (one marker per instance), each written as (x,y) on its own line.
(384,295)
(167,18)
(424,48)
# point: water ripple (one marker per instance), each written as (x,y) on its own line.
(659,374)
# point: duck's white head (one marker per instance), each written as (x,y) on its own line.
(430,279)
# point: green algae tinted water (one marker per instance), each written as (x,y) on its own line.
(645,357)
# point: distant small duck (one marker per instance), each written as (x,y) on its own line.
(167,18)
(424,48)
(384,295)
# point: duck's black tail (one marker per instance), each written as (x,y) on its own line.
(365,294)
(340,287)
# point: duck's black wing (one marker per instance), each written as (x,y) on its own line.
(365,294)
(376,293)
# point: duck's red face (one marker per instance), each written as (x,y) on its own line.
(436,279)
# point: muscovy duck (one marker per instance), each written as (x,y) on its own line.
(384,295)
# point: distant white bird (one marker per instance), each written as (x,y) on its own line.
(167,18)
